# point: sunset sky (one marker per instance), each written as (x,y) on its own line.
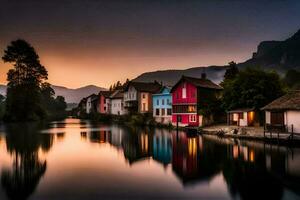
(85,42)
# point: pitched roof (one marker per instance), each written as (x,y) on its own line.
(118,94)
(106,94)
(241,110)
(199,82)
(151,87)
(290,101)
(162,89)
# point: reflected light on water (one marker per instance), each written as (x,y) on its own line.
(119,162)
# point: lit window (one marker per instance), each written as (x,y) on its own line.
(184,91)
(191,108)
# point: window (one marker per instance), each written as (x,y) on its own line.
(144,107)
(177,95)
(163,112)
(162,102)
(168,101)
(157,102)
(104,108)
(104,100)
(184,91)
(193,118)
(144,96)
(169,111)
(191,109)
(157,112)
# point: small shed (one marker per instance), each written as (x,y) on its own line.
(241,117)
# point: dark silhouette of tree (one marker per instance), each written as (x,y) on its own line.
(118,85)
(29,97)
(231,71)
(24,80)
(292,79)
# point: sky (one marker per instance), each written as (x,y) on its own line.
(83,42)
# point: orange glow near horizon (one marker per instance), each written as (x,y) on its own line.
(74,70)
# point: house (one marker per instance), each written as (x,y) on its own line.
(187,94)
(90,103)
(104,102)
(284,112)
(81,108)
(116,104)
(241,117)
(162,105)
(138,96)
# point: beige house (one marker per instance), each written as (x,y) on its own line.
(284,112)
(138,96)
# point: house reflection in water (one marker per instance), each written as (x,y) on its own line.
(191,162)
(251,169)
(137,146)
(162,146)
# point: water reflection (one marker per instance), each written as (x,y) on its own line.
(23,143)
(248,170)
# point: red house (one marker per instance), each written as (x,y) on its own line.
(186,94)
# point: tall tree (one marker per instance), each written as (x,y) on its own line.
(24,81)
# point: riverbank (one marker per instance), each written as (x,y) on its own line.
(127,120)
(250,133)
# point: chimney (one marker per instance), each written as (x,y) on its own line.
(203,75)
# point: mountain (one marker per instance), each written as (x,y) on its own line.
(170,77)
(71,95)
(278,55)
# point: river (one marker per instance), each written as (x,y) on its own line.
(77,159)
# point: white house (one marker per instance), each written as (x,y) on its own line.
(284,111)
(89,104)
(117,103)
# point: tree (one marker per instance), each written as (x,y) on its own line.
(24,82)
(231,72)
(252,88)
(292,79)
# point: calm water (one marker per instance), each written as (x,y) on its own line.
(78,160)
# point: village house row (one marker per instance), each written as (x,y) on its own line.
(180,104)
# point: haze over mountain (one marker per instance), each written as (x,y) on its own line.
(277,55)
(71,95)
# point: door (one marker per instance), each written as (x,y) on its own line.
(277,118)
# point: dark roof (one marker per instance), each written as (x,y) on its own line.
(92,96)
(151,87)
(118,94)
(290,101)
(106,94)
(162,89)
(199,82)
(241,110)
